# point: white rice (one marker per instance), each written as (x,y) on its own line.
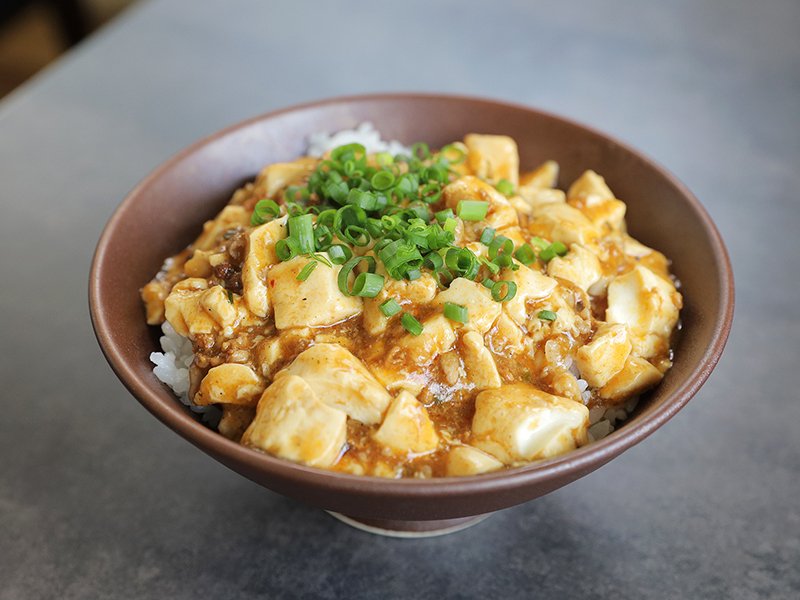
(172,365)
(365,134)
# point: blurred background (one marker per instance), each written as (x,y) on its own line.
(33,33)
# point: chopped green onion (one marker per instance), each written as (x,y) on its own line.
(390,308)
(230,296)
(263,211)
(287,249)
(347,269)
(539,243)
(449,149)
(547,315)
(306,271)
(420,150)
(494,268)
(368,285)
(487,236)
(339,254)
(450,224)
(553,250)
(445,214)
(456,312)
(500,245)
(301,229)
(525,254)
(413,274)
(505,187)
(410,324)
(434,261)
(382,180)
(503,291)
(462,262)
(384,158)
(489,283)
(399,256)
(472,210)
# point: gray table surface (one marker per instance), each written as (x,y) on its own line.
(97,499)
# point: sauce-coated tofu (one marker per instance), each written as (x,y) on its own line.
(275,177)
(531,285)
(292,423)
(482,310)
(637,376)
(407,427)
(315,302)
(419,291)
(543,176)
(648,305)
(479,364)
(493,157)
(229,217)
(259,256)
(463,461)
(605,356)
(340,380)
(500,214)
(230,383)
(560,222)
(437,337)
(579,265)
(519,422)
(193,308)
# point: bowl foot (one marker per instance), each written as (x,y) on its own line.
(409,529)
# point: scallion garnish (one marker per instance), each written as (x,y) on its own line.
(445,214)
(456,312)
(347,269)
(410,324)
(301,230)
(553,250)
(505,187)
(472,210)
(306,271)
(264,210)
(339,254)
(390,308)
(503,291)
(367,285)
(525,254)
(487,235)
(547,315)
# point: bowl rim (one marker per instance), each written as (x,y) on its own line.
(578,461)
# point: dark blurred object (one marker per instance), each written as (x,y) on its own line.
(70,15)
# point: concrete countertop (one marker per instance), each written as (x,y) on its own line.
(97,499)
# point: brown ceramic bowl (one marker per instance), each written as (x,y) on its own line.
(165,212)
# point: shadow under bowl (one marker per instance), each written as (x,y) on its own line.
(165,212)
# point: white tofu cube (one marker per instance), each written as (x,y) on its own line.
(561,222)
(419,291)
(184,311)
(259,256)
(589,184)
(493,157)
(437,337)
(637,376)
(229,217)
(500,214)
(463,461)
(277,176)
(648,305)
(407,428)
(519,423)
(340,380)
(605,356)
(531,285)
(230,383)
(292,423)
(579,265)
(315,302)
(482,310)
(543,176)
(479,364)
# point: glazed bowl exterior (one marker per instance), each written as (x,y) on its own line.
(165,212)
